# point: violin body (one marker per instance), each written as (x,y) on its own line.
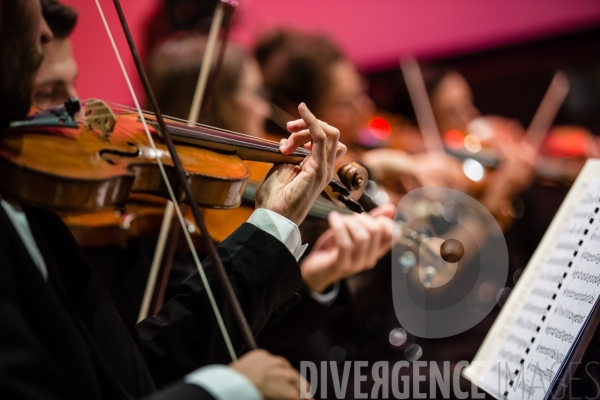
(94,171)
(142,215)
(107,163)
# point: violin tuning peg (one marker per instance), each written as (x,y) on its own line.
(352,204)
(339,187)
(72,106)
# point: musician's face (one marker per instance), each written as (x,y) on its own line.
(55,80)
(346,104)
(250,109)
(452,103)
(23,31)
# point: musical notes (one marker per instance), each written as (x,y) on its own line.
(591,257)
(551,303)
(552,353)
(540,310)
(518,341)
(546,374)
(559,261)
(554,278)
(582,297)
(575,296)
(567,313)
(527,324)
(568,246)
(544,293)
(560,334)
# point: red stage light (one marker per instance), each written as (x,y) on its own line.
(454,139)
(380,128)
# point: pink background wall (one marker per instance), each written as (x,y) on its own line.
(373,33)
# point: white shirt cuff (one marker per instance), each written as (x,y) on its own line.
(223,383)
(282,228)
(328,298)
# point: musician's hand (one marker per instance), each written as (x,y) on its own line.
(273,376)
(353,244)
(516,171)
(404,172)
(291,190)
(438,170)
(514,175)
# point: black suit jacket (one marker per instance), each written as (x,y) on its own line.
(65,338)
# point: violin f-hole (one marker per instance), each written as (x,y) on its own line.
(109,155)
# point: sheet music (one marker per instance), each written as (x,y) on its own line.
(560,328)
(542,319)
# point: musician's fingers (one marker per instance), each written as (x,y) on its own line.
(296,125)
(324,142)
(361,237)
(386,210)
(295,140)
(341,150)
(300,127)
(376,229)
(343,241)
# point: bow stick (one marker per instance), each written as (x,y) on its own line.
(160,265)
(547,110)
(420,100)
(181,175)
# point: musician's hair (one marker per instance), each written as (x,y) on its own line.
(173,69)
(19,61)
(60,18)
(432,77)
(297,66)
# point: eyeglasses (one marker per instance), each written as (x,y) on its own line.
(261,91)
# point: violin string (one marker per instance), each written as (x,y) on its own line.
(275,144)
(191,134)
(186,233)
(196,124)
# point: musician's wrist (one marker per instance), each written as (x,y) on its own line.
(318,282)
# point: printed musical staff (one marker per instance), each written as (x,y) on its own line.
(551,303)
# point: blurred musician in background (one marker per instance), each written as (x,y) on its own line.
(352,243)
(332,84)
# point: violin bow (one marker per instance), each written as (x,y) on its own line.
(245,330)
(228,7)
(420,100)
(546,112)
(161,264)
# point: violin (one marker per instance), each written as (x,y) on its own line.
(142,215)
(561,156)
(221,223)
(106,157)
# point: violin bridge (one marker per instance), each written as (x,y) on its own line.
(99,117)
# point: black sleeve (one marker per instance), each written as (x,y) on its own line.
(28,372)
(185,335)
(181,391)
(302,320)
